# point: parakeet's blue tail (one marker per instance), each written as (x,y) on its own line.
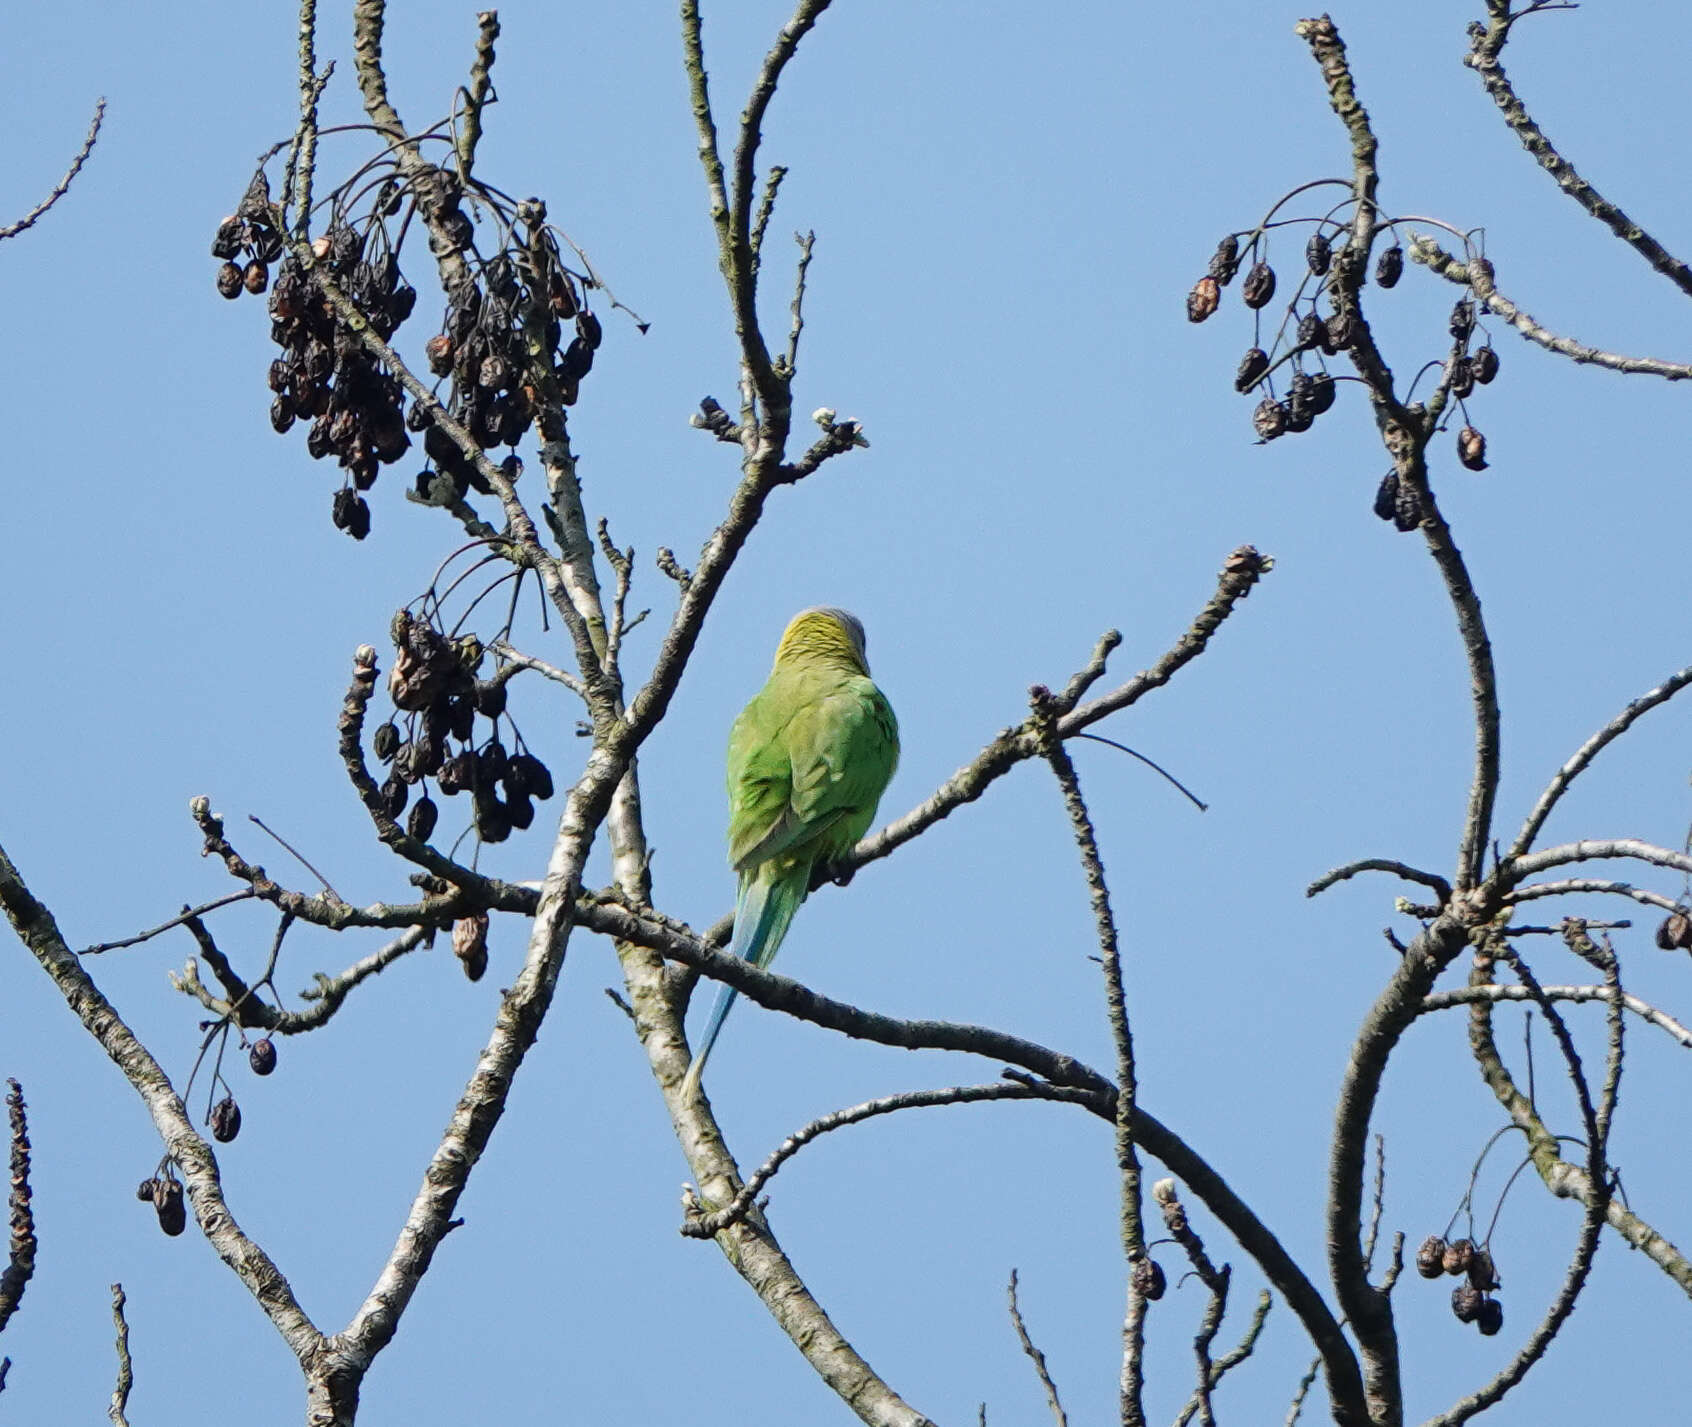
(761,918)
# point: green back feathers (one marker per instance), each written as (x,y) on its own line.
(812,753)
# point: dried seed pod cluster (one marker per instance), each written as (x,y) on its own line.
(434,684)
(1304,335)
(503,343)
(1322,320)
(1471,1300)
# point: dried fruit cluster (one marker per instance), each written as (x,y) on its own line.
(324,375)
(1471,1300)
(434,683)
(1306,337)
(502,344)
(500,348)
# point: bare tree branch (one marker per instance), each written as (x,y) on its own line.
(1583,756)
(37,929)
(62,187)
(1130,1228)
(1469,995)
(1478,276)
(20,1258)
(1486,44)
(1531,864)
(1441,888)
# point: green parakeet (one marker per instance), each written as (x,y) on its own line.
(808,760)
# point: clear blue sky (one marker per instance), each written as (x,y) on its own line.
(1009,211)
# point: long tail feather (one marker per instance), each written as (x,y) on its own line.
(761,919)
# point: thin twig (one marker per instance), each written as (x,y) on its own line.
(1235,1355)
(1440,887)
(706,1226)
(1471,994)
(1486,45)
(1582,885)
(62,187)
(1036,1357)
(187,914)
(294,852)
(125,1369)
(1583,756)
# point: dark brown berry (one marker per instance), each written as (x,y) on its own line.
(1490,1318)
(255,277)
(587,325)
(225,1120)
(145,1191)
(492,818)
(1269,420)
(490,697)
(1457,1255)
(1253,366)
(262,1056)
(1386,506)
(1203,299)
(228,285)
(1148,1280)
(394,793)
(1481,1272)
(470,944)
(1312,331)
(1462,377)
(1319,396)
(281,415)
(438,351)
(1318,253)
(1484,363)
(231,236)
(1342,331)
(421,823)
(168,1205)
(386,741)
(350,513)
(457,774)
(1466,1302)
(1675,934)
(1259,286)
(533,775)
(1471,449)
(1225,261)
(1430,1258)
(1462,320)
(1389,267)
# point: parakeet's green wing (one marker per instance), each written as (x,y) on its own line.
(807,767)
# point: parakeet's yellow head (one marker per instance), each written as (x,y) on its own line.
(824,634)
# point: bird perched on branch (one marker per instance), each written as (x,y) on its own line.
(808,760)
